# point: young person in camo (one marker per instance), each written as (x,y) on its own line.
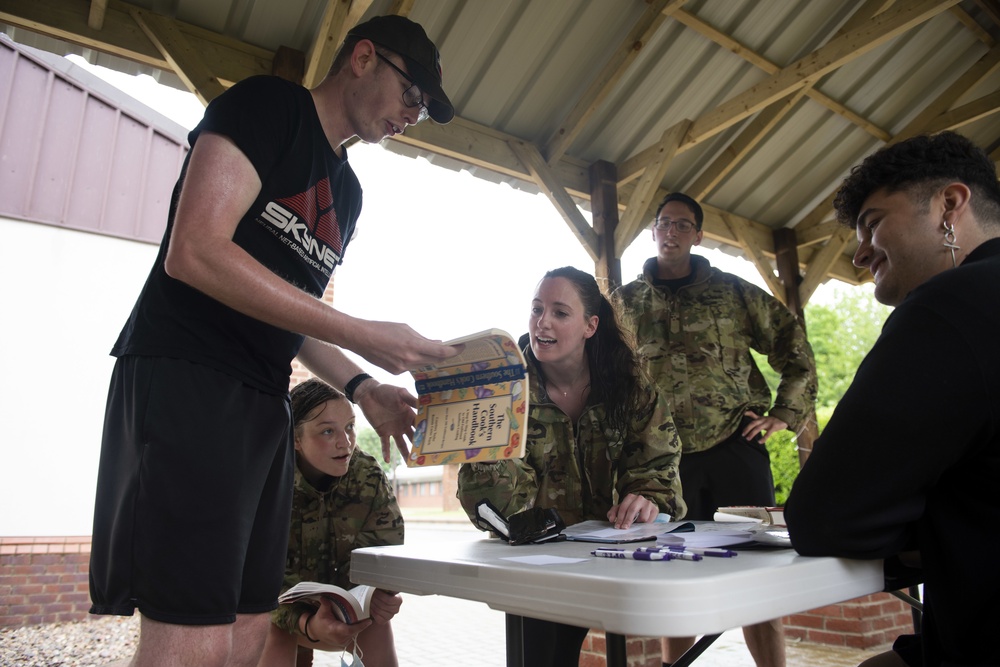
(342,501)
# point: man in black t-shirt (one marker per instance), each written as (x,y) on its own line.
(194,487)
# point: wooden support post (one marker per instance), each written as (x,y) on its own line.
(604,207)
(787,260)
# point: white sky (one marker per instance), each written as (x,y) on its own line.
(443,251)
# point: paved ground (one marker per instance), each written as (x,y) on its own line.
(475,634)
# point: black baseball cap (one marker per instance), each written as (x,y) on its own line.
(423,62)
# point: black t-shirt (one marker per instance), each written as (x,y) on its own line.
(298,227)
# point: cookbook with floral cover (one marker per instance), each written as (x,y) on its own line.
(474,406)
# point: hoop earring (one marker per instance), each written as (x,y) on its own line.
(949,241)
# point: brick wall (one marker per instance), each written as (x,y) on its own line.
(639,651)
(43,580)
(869,622)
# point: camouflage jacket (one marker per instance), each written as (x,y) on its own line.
(581,469)
(697,341)
(357,510)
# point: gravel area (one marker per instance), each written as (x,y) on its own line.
(91,643)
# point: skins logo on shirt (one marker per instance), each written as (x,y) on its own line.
(310,224)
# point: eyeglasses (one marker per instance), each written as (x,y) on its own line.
(412,97)
(682,226)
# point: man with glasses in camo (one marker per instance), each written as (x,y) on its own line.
(695,326)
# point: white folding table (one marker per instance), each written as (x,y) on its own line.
(670,599)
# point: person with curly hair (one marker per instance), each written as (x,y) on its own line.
(601,442)
(906,467)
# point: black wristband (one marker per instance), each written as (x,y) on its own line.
(352,386)
(305,629)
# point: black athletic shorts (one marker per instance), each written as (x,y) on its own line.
(736,471)
(194,495)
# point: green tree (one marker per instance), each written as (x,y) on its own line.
(841,334)
(370,443)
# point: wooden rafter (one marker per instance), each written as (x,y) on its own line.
(982,68)
(834,54)
(823,260)
(727,42)
(186,61)
(652,18)
(755,254)
(992,9)
(98,8)
(767,119)
(973,27)
(232,60)
(741,146)
(965,114)
(543,176)
(338,18)
(837,52)
(645,190)
(400,7)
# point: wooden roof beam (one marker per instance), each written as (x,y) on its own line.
(601,86)
(547,180)
(823,260)
(992,9)
(741,146)
(98,8)
(760,62)
(482,146)
(631,222)
(970,23)
(834,54)
(965,114)
(184,59)
(766,120)
(842,49)
(66,20)
(755,254)
(338,18)
(982,68)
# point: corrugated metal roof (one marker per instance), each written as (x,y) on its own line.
(520,68)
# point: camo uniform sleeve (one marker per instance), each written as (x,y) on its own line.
(510,485)
(650,460)
(778,334)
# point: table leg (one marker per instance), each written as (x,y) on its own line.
(615,649)
(515,641)
(692,653)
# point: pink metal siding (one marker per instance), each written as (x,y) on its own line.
(74,157)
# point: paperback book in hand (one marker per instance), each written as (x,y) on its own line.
(350,606)
(474,406)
